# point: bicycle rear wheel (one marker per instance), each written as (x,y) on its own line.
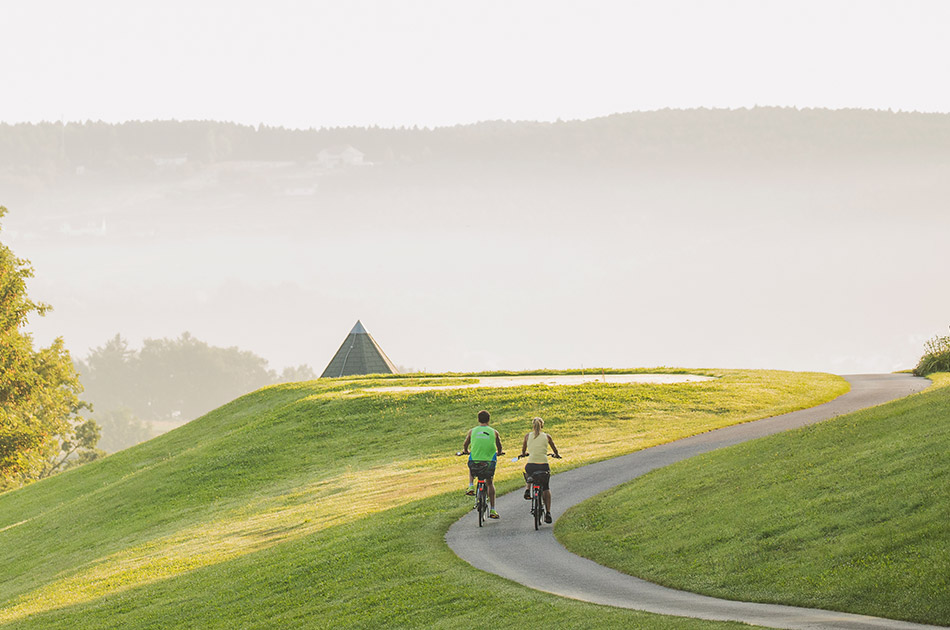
(537,509)
(480,502)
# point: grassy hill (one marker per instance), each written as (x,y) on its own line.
(851,514)
(324,504)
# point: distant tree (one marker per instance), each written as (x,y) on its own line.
(112,386)
(39,388)
(184,378)
(297,374)
(168,381)
(121,429)
(108,375)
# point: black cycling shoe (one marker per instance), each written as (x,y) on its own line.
(527,495)
(547,518)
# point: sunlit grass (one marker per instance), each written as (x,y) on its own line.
(286,464)
(852,514)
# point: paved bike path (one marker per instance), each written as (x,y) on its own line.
(501,547)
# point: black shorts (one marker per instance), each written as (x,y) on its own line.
(543,480)
(487,473)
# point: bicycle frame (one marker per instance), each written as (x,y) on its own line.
(481,495)
(537,501)
(481,491)
(481,500)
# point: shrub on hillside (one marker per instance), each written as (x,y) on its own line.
(936,357)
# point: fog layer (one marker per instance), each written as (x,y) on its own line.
(752,238)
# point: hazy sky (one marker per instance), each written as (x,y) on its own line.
(430,63)
(364,62)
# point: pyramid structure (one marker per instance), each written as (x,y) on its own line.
(359,354)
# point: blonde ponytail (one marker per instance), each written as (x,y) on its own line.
(537,424)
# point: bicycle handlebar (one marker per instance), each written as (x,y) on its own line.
(469,453)
(554,455)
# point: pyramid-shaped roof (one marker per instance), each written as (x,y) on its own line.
(359,354)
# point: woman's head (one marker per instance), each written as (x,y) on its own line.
(536,425)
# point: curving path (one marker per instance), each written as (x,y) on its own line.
(499,546)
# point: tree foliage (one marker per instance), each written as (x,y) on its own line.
(39,388)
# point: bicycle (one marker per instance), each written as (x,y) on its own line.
(537,480)
(480,470)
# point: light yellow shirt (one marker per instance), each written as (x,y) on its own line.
(537,448)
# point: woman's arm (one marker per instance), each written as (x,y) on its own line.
(551,442)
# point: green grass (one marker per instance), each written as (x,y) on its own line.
(323,504)
(851,514)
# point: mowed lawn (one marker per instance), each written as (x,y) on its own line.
(852,514)
(324,504)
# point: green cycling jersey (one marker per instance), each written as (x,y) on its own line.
(482,446)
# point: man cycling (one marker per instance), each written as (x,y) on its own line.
(485,446)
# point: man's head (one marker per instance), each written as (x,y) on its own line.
(483,417)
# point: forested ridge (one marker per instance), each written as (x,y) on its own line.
(636,136)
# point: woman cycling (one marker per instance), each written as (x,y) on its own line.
(535,448)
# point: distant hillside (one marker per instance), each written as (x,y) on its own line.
(770,198)
(636,136)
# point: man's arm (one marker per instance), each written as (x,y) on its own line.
(498,443)
(468,440)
